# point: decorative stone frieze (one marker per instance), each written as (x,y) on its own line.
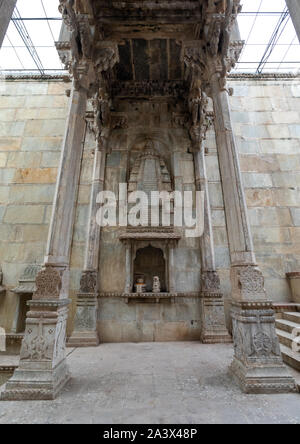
(170,88)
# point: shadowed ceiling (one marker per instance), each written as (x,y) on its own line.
(143,60)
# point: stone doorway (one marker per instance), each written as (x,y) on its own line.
(150,262)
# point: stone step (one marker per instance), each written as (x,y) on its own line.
(290,358)
(292,316)
(285,338)
(281,307)
(287,326)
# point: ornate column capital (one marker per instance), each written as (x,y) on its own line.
(210,282)
(248,283)
(86,55)
(89,282)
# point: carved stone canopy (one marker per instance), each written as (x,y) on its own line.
(143,40)
(148,49)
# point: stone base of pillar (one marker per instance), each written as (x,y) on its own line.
(257,364)
(214,329)
(83,339)
(43,371)
(262,380)
(35,385)
(85,332)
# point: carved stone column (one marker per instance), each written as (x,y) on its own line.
(6,11)
(85,332)
(172,286)
(294,8)
(43,370)
(128,268)
(257,363)
(213,328)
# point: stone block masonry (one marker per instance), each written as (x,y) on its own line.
(266,115)
(32,121)
(267,124)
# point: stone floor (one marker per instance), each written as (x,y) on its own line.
(154,383)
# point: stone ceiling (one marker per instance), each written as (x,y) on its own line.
(147,41)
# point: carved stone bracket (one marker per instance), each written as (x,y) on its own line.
(86,57)
(105,56)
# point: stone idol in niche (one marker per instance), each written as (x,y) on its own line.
(140,286)
(156,285)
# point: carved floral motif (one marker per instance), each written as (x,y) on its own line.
(88,282)
(210,281)
(48,284)
(36,347)
(262,344)
(251,280)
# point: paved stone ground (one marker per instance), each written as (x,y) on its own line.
(154,383)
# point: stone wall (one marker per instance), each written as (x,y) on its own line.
(32,125)
(118,320)
(266,118)
(266,115)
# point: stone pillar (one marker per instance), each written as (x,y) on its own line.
(294,8)
(172,286)
(43,370)
(85,332)
(128,268)
(6,11)
(257,363)
(213,328)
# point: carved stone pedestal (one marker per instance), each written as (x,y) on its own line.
(85,328)
(43,370)
(257,364)
(85,332)
(214,329)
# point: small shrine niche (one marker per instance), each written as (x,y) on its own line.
(148,264)
(150,250)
